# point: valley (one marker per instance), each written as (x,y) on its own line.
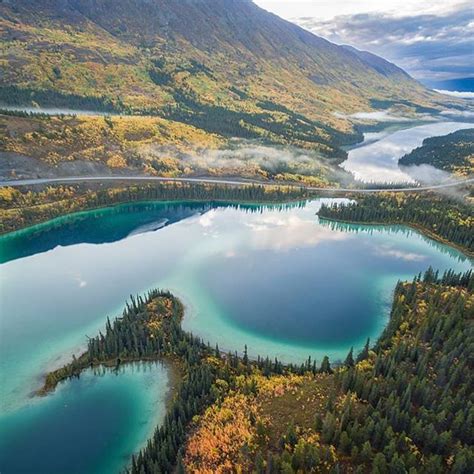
(132,148)
(378,162)
(229,245)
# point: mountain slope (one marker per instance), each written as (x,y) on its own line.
(379,64)
(223,65)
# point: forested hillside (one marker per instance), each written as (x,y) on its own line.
(19,209)
(453,153)
(52,146)
(225,66)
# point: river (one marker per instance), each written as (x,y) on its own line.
(376,159)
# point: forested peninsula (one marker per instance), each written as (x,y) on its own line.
(453,153)
(448,220)
(402,406)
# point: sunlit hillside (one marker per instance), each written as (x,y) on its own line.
(225,66)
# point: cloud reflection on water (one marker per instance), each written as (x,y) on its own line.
(377,162)
(286,232)
(390,252)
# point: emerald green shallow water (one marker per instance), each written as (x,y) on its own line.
(273,278)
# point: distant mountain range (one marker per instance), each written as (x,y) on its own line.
(225,66)
(463,84)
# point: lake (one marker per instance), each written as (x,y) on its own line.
(273,278)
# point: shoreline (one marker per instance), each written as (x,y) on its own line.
(172,364)
(49,387)
(417,227)
(51,222)
(87,199)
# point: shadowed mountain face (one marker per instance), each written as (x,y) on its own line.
(192,60)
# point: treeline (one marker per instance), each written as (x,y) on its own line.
(407,405)
(447,219)
(417,385)
(25,114)
(17,96)
(453,152)
(26,207)
(296,129)
(387,186)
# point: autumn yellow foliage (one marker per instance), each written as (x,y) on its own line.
(143,145)
(225,429)
(110,140)
(256,413)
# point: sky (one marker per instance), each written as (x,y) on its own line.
(433,40)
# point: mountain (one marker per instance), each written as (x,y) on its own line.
(225,66)
(382,66)
(462,84)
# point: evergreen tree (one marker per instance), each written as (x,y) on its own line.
(349,362)
(325,366)
(365,351)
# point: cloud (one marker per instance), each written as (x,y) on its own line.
(457,113)
(428,46)
(325,9)
(427,174)
(385,251)
(462,95)
(206,220)
(377,162)
(379,116)
(245,156)
(273,160)
(81,283)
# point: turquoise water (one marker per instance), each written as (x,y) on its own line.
(273,278)
(89,425)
